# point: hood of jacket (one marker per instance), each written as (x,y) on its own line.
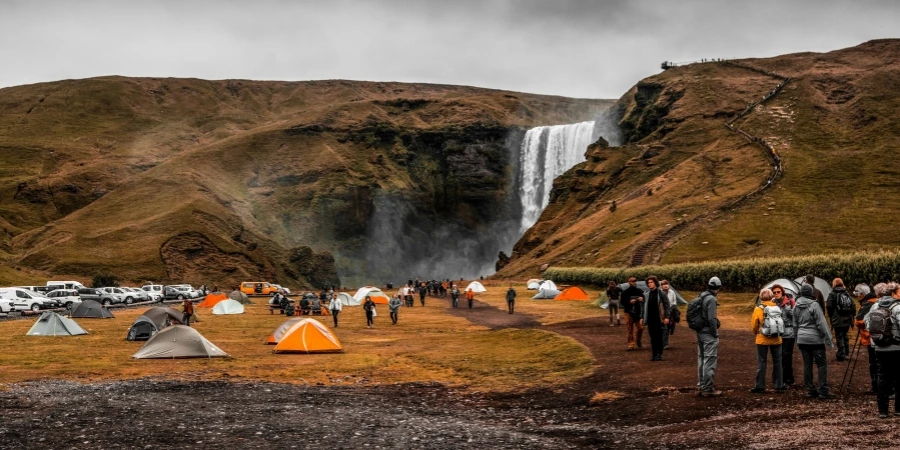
(886,301)
(804,302)
(806,291)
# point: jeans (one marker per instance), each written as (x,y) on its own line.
(369,319)
(707,360)
(422,299)
(635,330)
(613,306)
(814,353)
(761,356)
(843,342)
(656,331)
(334,315)
(873,367)
(787,360)
(394,317)
(888,379)
(511,304)
(186,319)
(455,301)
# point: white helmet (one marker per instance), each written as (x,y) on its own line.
(714,283)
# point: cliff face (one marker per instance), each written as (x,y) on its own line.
(687,188)
(221,181)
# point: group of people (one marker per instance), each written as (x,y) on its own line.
(657,312)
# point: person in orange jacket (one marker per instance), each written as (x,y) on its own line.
(867,298)
(470,296)
(766,344)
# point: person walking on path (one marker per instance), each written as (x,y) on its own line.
(423,289)
(841,311)
(867,300)
(674,313)
(613,294)
(454,296)
(812,334)
(511,299)
(187,312)
(708,339)
(787,303)
(632,305)
(335,307)
(883,323)
(768,340)
(369,308)
(470,297)
(655,317)
(394,306)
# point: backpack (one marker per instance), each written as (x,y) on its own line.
(773,323)
(881,326)
(695,315)
(844,303)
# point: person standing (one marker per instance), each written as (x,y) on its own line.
(655,317)
(887,345)
(394,306)
(454,296)
(632,302)
(812,334)
(767,341)
(867,300)
(335,307)
(511,299)
(187,312)
(674,314)
(423,289)
(708,339)
(613,294)
(470,297)
(817,295)
(841,311)
(369,308)
(787,303)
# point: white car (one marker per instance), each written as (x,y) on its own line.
(139,294)
(191,292)
(65,297)
(23,299)
(119,295)
(286,290)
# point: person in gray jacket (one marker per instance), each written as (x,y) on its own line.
(812,335)
(708,340)
(888,356)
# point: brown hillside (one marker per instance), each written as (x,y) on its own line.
(833,126)
(221,181)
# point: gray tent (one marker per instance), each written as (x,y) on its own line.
(789,286)
(163,316)
(819,284)
(53,324)
(90,309)
(642,285)
(178,341)
(142,329)
(240,297)
(546,294)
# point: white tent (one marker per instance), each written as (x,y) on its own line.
(53,324)
(548,284)
(228,307)
(546,294)
(361,294)
(788,285)
(178,341)
(534,284)
(819,284)
(475,287)
(347,300)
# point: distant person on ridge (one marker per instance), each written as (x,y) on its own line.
(655,317)
(511,299)
(613,294)
(708,339)
(841,310)
(632,306)
(812,334)
(369,308)
(394,306)
(187,312)
(470,297)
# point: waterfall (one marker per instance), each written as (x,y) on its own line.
(547,152)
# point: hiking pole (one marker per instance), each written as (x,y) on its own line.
(853,370)
(852,361)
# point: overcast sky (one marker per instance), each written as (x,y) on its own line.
(576,48)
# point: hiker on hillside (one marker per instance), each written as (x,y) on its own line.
(655,317)
(883,323)
(394,306)
(867,299)
(632,305)
(818,296)
(841,311)
(335,307)
(708,339)
(613,294)
(511,299)
(423,289)
(369,308)
(765,326)
(470,297)
(812,334)
(787,303)
(674,313)
(187,312)
(454,296)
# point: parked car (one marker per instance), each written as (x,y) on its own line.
(41,290)
(117,295)
(93,294)
(64,285)
(191,292)
(140,295)
(65,297)
(23,299)
(5,303)
(176,293)
(154,290)
(282,289)
(258,288)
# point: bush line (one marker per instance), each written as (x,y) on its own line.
(747,274)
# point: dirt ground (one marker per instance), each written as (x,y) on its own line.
(649,404)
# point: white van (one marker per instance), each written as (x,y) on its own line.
(23,299)
(65,285)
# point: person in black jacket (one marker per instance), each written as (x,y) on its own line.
(613,294)
(511,299)
(655,317)
(841,318)
(423,289)
(633,307)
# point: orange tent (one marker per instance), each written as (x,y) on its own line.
(309,336)
(279,332)
(573,293)
(212,299)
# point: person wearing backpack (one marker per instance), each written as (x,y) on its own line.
(812,334)
(841,311)
(883,323)
(767,324)
(866,302)
(786,302)
(702,317)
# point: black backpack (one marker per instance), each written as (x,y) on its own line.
(881,326)
(695,314)
(844,303)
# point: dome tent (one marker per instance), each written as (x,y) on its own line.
(376,294)
(820,284)
(573,293)
(276,335)
(240,297)
(228,307)
(53,324)
(475,287)
(348,300)
(90,309)
(212,299)
(178,341)
(308,336)
(533,284)
(163,316)
(142,329)
(546,294)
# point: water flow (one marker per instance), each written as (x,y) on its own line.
(547,152)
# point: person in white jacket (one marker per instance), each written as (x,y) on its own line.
(335,307)
(673,305)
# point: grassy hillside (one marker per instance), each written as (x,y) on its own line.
(221,181)
(833,126)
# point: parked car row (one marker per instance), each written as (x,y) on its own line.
(69,294)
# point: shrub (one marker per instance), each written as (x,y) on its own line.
(747,274)
(104,280)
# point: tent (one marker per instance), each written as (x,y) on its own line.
(240,297)
(142,329)
(90,309)
(546,294)
(347,300)
(789,286)
(476,287)
(53,324)
(163,316)
(548,284)
(276,335)
(377,296)
(212,299)
(533,284)
(819,284)
(228,307)
(573,293)
(642,285)
(178,341)
(308,336)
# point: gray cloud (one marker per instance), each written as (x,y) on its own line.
(577,48)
